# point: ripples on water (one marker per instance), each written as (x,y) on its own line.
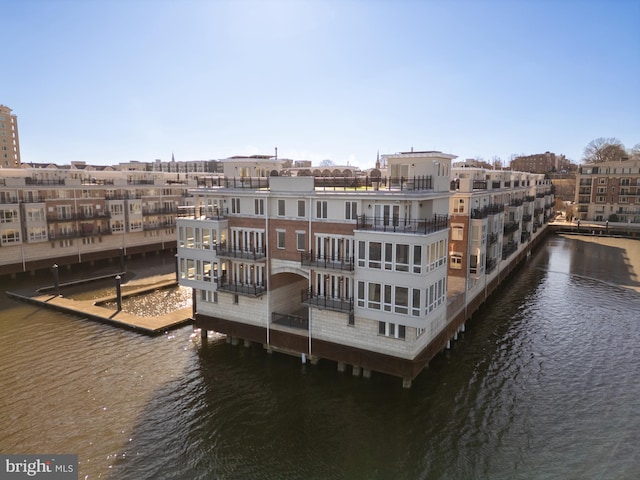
(543,384)
(155,303)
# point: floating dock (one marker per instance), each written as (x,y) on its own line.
(91,309)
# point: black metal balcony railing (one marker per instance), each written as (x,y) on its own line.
(510,227)
(537,211)
(397,225)
(495,208)
(516,202)
(525,236)
(495,184)
(102,215)
(421,182)
(479,185)
(492,238)
(490,264)
(247,253)
(479,213)
(79,234)
(208,213)
(529,198)
(289,320)
(337,304)
(159,210)
(158,226)
(327,261)
(252,290)
(43,181)
(508,249)
(484,212)
(526,218)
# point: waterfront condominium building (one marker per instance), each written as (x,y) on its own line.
(79,213)
(355,269)
(351,269)
(9,142)
(495,215)
(609,191)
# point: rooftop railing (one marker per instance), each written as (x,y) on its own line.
(394,224)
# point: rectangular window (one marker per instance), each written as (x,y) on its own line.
(374,254)
(321,209)
(402,331)
(350,210)
(382,328)
(374,296)
(473,264)
(362,252)
(402,300)
(388,256)
(457,232)
(417,259)
(415,304)
(258,206)
(402,258)
(281,208)
(361,294)
(280,235)
(301,208)
(458,205)
(456,261)
(388,298)
(235,205)
(301,241)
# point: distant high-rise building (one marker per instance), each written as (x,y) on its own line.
(9,144)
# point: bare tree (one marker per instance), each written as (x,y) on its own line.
(635,152)
(604,150)
(497,162)
(326,163)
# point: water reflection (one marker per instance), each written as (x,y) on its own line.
(155,303)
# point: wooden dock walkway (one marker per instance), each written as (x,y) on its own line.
(91,309)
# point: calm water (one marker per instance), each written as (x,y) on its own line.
(544,384)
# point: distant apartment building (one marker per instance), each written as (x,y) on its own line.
(9,141)
(80,213)
(609,191)
(540,163)
(354,269)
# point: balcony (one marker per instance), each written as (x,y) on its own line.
(511,227)
(41,181)
(158,226)
(397,225)
(310,259)
(327,302)
(526,218)
(516,202)
(207,213)
(492,238)
(159,211)
(242,288)
(525,237)
(290,320)
(508,249)
(529,198)
(102,215)
(252,253)
(490,264)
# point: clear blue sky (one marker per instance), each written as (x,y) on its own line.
(113,81)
